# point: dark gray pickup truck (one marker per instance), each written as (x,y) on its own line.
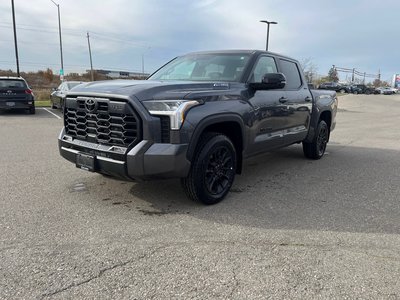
(196,118)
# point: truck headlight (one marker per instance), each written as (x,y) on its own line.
(175,109)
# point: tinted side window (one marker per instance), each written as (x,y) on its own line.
(293,80)
(264,65)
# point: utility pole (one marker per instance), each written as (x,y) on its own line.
(59,33)
(90,55)
(15,37)
(352,76)
(142,65)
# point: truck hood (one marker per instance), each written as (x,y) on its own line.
(152,90)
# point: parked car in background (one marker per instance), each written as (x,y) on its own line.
(311,86)
(57,97)
(364,89)
(345,88)
(333,86)
(354,89)
(394,90)
(15,93)
(385,90)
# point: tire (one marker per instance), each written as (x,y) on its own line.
(62,104)
(213,169)
(316,149)
(32,110)
(53,106)
(342,91)
(355,92)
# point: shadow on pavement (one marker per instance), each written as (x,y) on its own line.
(351,189)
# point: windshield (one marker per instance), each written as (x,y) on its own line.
(11,84)
(73,84)
(204,67)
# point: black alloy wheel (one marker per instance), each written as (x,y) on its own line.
(316,149)
(213,169)
(322,139)
(219,168)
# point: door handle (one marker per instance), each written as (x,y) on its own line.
(283,99)
(308,99)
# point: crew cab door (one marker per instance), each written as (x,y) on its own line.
(297,102)
(268,112)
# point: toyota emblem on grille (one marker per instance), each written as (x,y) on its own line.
(90,105)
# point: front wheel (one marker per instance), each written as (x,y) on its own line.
(316,149)
(213,169)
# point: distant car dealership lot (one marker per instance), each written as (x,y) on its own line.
(326,228)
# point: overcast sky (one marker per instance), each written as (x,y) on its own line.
(350,34)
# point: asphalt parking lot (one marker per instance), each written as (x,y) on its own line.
(290,228)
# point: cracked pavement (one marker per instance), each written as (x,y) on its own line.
(291,228)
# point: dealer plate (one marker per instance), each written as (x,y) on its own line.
(85,162)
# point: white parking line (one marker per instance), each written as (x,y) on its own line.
(58,117)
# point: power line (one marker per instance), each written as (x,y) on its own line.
(77,33)
(30,43)
(54,64)
(39,27)
(354,72)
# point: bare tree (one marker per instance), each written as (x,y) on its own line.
(309,69)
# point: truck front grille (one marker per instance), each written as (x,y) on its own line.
(102,121)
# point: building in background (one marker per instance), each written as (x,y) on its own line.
(396,81)
(121,74)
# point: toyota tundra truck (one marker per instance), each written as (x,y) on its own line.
(196,118)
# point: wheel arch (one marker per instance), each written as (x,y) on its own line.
(230,125)
(327,117)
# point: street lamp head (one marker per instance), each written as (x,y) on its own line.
(268,22)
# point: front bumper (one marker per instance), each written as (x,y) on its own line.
(146,160)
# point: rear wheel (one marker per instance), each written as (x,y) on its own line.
(316,149)
(32,110)
(213,169)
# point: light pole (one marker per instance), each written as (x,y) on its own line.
(15,37)
(147,49)
(59,32)
(268,23)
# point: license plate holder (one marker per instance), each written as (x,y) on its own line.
(85,162)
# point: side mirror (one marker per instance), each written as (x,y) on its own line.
(270,81)
(54,89)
